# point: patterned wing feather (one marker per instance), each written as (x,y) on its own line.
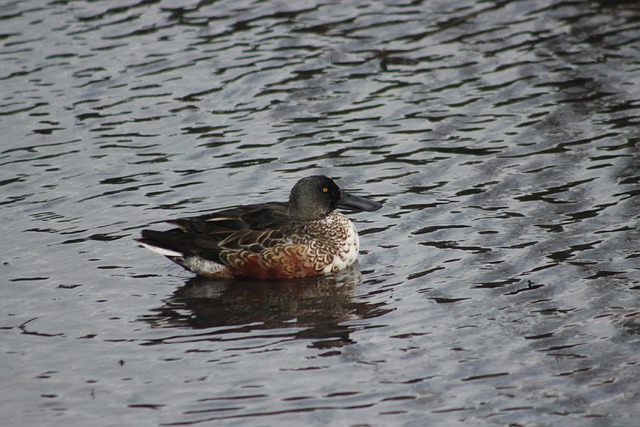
(248,229)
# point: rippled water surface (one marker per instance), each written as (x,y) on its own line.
(499,285)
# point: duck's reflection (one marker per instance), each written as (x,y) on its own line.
(317,304)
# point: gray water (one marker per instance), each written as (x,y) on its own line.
(499,285)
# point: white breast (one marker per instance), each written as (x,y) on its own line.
(348,252)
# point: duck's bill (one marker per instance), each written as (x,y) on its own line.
(351,202)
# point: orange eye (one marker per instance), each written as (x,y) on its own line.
(325,190)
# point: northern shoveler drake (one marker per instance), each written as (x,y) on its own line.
(303,237)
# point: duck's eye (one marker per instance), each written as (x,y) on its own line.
(325,190)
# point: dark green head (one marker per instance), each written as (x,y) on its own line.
(315,197)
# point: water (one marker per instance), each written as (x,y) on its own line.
(499,285)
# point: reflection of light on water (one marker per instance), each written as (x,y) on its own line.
(319,304)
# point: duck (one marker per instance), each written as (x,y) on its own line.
(305,236)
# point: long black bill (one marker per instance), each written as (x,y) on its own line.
(351,202)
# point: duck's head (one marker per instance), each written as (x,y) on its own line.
(314,197)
